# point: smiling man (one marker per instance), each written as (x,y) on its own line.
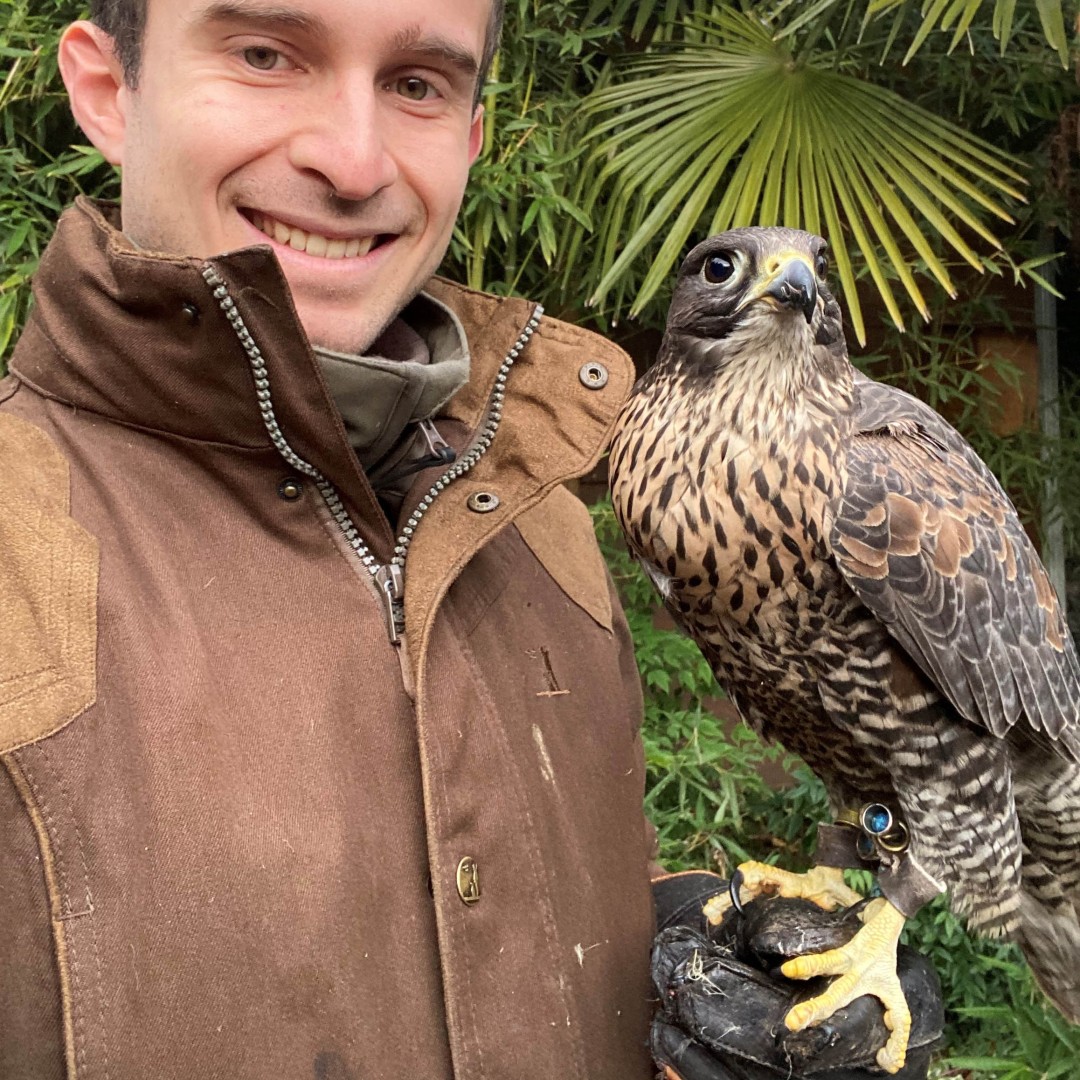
(317,714)
(340,135)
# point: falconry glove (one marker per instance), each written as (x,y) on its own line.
(723,1000)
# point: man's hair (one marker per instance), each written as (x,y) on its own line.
(125,22)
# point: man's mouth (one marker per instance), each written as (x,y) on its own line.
(323,247)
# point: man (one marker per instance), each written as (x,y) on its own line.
(317,713)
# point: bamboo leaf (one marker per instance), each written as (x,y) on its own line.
(1004,10)
(941,14)
(1053,24)
(808,13)
(933,14)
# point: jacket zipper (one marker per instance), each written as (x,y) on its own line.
(390,578)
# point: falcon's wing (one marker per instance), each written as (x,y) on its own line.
(932,545)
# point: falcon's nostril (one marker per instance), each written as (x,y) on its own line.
(795,287)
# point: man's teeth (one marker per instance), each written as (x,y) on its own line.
(314,244)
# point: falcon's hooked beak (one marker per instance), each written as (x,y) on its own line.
(789,281)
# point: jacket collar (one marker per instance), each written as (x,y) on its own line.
(143,340)
(140,338)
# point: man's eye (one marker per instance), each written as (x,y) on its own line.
(414,88)
(262,58)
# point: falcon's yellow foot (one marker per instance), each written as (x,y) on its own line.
(866,965)
(824,885)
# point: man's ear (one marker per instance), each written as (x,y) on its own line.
(476,134)
(95,85)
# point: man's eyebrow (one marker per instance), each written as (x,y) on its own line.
(256,11)
(413,39)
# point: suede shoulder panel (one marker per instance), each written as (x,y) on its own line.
(559,532)
(48,591)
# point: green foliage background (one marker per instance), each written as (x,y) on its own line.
(529,226)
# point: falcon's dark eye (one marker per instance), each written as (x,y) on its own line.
(821,265)
(718,268)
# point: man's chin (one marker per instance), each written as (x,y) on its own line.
(354,333)
(346,335)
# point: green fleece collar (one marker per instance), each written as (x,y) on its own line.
(412,370)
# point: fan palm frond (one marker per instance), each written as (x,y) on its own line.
(736,130)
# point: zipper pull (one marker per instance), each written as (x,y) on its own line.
(440,452)
(391,582)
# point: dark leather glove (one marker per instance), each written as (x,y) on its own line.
(679,898)
(723,1001)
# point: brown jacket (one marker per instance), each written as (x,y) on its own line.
(232,812)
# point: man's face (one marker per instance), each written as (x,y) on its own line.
(338,131)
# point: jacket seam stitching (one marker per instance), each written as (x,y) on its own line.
(94,942)
(63,950)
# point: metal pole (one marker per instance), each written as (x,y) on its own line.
(1046,336)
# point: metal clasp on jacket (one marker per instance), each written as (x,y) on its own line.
(391,582)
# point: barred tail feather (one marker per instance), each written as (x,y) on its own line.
(1047,789)
(1049,936)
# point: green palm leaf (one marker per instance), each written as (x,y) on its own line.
(736,130)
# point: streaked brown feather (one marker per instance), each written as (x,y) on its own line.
(965,587)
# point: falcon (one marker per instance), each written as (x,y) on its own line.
(865,593)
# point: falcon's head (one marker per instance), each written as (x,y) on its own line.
(755,293)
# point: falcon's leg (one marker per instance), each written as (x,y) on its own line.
(866,965)
(824,885)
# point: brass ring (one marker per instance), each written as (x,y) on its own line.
(895,841)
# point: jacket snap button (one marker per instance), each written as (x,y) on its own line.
(593,375)
(482,501)
(468,880)
(191,312)
(290,489)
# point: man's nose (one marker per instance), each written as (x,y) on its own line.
(346,140)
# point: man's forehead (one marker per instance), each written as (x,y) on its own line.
(425,30)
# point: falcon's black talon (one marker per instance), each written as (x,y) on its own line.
(734,885)
(856,909)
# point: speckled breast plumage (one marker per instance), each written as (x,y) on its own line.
(733,535)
